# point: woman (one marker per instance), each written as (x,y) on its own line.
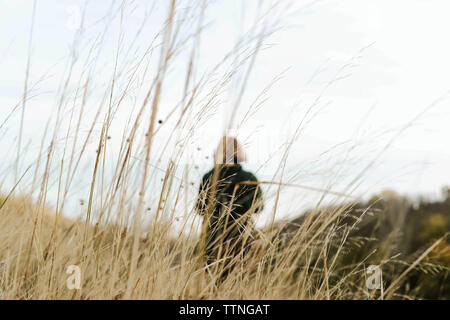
(228,195)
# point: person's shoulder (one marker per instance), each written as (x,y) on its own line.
(248,176)
(207,175)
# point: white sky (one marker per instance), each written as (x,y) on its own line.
(399,64)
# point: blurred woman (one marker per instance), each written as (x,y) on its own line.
(228,196)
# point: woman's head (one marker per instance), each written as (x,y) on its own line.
(229,152)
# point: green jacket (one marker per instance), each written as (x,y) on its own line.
(233,205)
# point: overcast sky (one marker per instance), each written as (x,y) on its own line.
(391,59)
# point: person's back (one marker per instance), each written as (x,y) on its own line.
(228,196)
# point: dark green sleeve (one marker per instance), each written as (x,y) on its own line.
(252,194)
(258,198)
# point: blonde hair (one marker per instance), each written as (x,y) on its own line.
(229,151)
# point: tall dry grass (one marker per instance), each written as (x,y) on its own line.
(124,246)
